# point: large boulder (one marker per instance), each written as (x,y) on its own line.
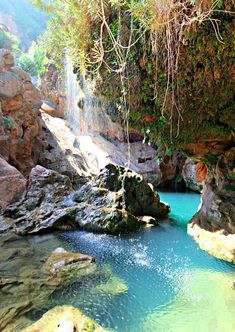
(114,200)
(41,209)
(19,113)
(12,184)
(110,203)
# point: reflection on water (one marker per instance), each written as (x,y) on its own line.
(166,282)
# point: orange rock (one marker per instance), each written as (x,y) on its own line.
(20,101)
(111,134)
(148,118)
(13,104)
(201,171)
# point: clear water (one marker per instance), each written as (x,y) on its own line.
(162,281)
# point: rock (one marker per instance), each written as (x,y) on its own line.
(215,243)
(10,313)
(106,220)
(53,91)
(201,172)
(171,169)
(113,286)
(193,174)
(109,203)
(64,319)
(148,220)
(213,226)
(47,185)
(56,149)
(19,108)
(60,259)
(132,192)
(114,199)
(7,60)
(29,276)
(42,207)
(51,109)
(12,184)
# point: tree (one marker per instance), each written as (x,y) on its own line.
(34,61)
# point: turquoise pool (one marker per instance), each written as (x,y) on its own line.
(160,281)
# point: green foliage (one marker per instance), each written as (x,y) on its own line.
(8,40)
(29,20)
(189,101)
(210,159)
(34,61)
(9,122)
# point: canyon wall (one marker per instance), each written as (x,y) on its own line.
(19,114)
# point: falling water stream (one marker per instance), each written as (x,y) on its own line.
(159,279)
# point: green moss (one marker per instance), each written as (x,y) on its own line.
(210,159)
(229,187)
(9,122)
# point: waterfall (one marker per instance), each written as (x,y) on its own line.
(73,114)
(87,115)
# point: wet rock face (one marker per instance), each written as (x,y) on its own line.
(217,210)
(19,112)
(109,203)
(12,184)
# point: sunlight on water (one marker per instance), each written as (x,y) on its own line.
(155,280)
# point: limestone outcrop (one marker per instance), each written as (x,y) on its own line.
(19,112)
(213,226)
(111,202)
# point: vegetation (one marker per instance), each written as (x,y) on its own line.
(29,20)
(34,61)
(8,40)
(161,62)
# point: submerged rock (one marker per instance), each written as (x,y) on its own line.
(64,319)
(113,286)
(189,311)
(28,277)
(60,259)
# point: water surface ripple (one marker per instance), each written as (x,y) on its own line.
(159,279)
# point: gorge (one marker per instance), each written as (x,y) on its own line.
(117,167)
